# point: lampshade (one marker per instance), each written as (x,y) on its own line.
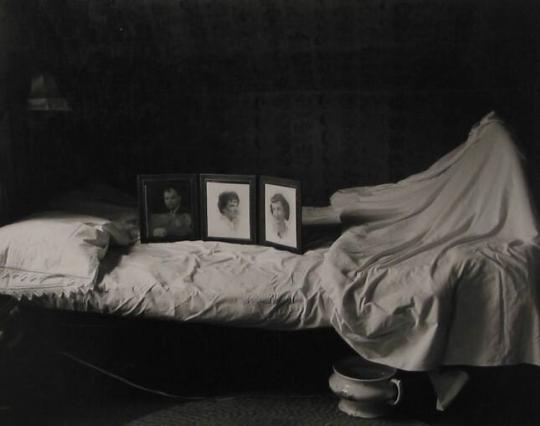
(45,96)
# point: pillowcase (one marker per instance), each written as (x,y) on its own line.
(53,252)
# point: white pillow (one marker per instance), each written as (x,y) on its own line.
(53,252)
(320,216)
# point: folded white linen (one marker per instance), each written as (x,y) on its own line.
(313,216)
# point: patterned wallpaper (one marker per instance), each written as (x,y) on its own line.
(333,92)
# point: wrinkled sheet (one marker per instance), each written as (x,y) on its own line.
(206,282)
(441,267)
(195,281)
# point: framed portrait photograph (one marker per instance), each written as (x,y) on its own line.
(228,208)
(280,213)
(168,207)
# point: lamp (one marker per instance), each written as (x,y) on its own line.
(45,96)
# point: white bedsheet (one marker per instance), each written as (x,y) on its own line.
(210,282)
(442,267)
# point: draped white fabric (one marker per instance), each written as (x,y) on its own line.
(441,267)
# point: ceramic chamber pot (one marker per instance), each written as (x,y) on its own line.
(365,389)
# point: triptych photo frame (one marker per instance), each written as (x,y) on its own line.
(245,209)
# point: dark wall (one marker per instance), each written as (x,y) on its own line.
(333,92)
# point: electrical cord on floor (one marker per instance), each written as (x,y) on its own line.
(126,381)
(174,396)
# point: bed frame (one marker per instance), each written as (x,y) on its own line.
(182,358)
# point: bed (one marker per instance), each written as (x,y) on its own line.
(437,269)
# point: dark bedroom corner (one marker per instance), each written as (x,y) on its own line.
(393,142)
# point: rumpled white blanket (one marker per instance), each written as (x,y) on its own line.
(441,267)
